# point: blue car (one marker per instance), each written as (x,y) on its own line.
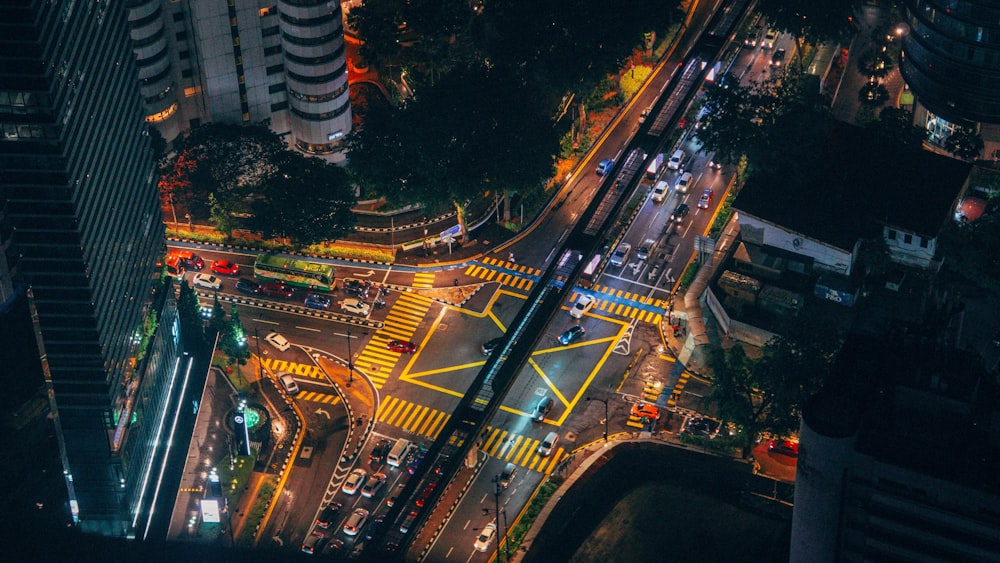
(574,333)
(605,166)
(316,301)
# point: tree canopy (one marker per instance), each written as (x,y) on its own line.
(814,21)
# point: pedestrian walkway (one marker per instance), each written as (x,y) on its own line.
(324,398)
(375,359)
(423,280)
(294,368)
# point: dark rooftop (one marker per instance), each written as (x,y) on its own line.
(854,186)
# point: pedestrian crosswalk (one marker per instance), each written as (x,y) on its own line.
(301,370)
(423,279)
(313,396)
(501,444)
(400,324)
(510,274)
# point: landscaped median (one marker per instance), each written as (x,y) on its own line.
(522,524)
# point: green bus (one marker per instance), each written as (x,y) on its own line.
(295,272)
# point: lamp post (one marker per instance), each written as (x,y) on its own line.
(605,401)
(350,359)
(497,489)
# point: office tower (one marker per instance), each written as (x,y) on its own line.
(242,61)
(81,231)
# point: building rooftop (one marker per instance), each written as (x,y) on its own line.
(854,186)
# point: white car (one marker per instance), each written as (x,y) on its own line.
(582,306)
(287,382)
(660,191)
(548,444)
(676,160)
(684,183)
(354,481)
(355,521)
(207,281)
(278,341)
(620,255)
(485,537)
(356,306)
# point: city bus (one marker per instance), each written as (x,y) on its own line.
(292,271)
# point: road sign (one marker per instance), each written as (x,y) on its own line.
(453,232)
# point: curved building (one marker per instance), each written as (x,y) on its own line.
(153,58)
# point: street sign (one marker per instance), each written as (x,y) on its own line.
(451,233)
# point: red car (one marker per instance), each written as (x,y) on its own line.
(786,447)
(426,494)
(225,267)
(401,346)
(277,289)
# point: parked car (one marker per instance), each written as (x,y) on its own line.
(485,538)
(706,199)
(277,289)
(287,382)
(684,183)
(248,286)
(620,255)
(355,521)
(355,306)
(353,481)
(401,346)
(583,305)
(605,166)
(491,345)
(373,484)
(784,447)
(676,160)
(645,410)
(207,281)
(548,444)
(542,408)
(572,334)
(680,212)
(225,267)
(317,301)
(327,515)
(278,341)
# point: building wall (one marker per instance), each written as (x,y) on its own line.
(827,257)
(910,248)
(85,230)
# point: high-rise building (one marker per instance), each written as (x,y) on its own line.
(81,231)
(244,61)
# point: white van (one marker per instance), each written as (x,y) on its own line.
(654,166)
(398,452)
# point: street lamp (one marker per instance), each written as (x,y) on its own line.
(605,401)
(497,489)
(350,359)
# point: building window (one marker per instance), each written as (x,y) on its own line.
(182,55)
(186,73)
(269,31)
(271,51)
(268,11)
(246,116)
(891,235)
(907,239)
(279,106)
(182,35)
(923,242)
(178,16)
(275,88)
(275,69)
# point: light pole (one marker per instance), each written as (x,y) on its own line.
(350,359)
(605,401)
(497,489)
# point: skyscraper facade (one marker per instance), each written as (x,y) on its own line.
(81,232)
(281,62)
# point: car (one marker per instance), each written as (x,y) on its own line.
(355,306)
(355,521)
(752,38)
(485,538)
(491,345)
(380,450)
(287,382)
(277,289)
(683,183)
(353,481)
(659,192)
(188,259)
(356,287)
(278,341)
(605,166)
(784,447)
(425,494)
(317,301)
(414,458)
(778,58)
(401,346)
(314,542)
(370,532)
(507,475)
(373,484)
(620,256)
(548,444)
(702,426)
(706,199)
(542,408)
(334,546)
(572,333)
(328,513)
(680,212)
(715,165)
(643,251)
(645,410)
(225,267)
(408,521)
(676,160)
(771,38)
(645,113)
(247,286)
(207,281)
(583,305)
(395,495)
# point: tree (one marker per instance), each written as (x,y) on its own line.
(188,312)
(308,200)
(377,24)
(812,22)
(218,323)
(894,128)
(971,249)
(234,340)
(964,143)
